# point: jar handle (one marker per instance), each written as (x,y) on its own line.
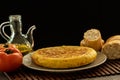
(2,31)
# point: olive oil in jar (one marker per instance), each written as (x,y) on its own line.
(24,48)
(24,42)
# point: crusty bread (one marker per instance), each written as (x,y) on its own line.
(64,56)
(115,37)
(112,47)
(92,38)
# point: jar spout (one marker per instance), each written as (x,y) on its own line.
(29,35)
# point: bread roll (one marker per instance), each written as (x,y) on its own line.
(92,38)
(115,37)
(112,47)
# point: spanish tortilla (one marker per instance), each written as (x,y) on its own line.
(64,56)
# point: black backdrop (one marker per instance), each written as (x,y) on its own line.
(63,22)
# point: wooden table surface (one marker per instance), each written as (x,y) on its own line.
(109,70)
(110,77)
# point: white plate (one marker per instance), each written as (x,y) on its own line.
(27,61)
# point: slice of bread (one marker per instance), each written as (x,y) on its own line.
(92,38)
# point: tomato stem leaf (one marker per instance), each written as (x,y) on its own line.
(8,51)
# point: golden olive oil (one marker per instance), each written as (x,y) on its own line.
(24,48)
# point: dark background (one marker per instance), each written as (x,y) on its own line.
(63,22)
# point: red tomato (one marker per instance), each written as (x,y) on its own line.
(10,58)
